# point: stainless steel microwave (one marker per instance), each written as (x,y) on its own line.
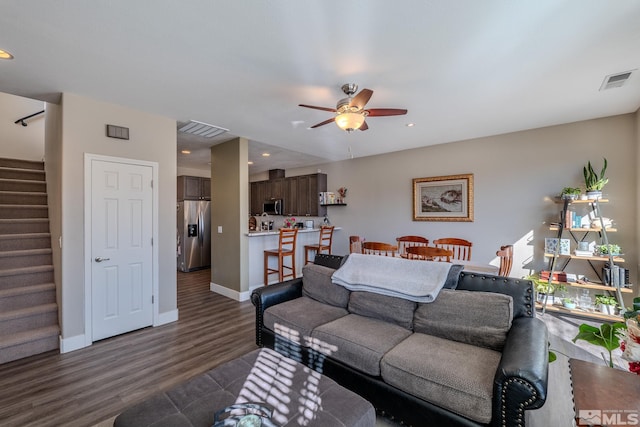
(273,206)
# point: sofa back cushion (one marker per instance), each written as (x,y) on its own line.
(316,284)
(478,318)
(390,309)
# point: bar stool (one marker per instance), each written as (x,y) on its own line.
(286,248)
(326,237)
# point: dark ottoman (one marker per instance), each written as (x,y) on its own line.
(298,395)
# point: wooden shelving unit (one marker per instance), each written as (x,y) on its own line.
(612,260)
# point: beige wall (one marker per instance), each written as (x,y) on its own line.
(20,142)
(206,173)
(153,138)
(515,177)
(230,210)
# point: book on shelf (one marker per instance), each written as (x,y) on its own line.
(327,198)
(616,276)
(578,252)
(558,276)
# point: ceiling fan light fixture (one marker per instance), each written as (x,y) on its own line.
(350,121)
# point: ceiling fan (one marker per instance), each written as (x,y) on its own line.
(350,112)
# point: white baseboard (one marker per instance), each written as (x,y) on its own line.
(230,293)
(73,343)
(167,317)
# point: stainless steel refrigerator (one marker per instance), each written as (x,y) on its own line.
(194,235)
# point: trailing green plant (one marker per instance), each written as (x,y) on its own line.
(541,286)
(609,249)
(570,192)
(592,181)
(629,313)
(606,300)
(606,336)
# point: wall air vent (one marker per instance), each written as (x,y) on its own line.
(616,80)
(202,129)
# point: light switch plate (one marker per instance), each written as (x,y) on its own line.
(220,229)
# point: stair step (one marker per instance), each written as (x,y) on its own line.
(21,164)
(16,277)
(25,258)
(22,198)
(28,343)
(25,319)
(24,211)
(16,242)
(24,225)
(26,296)
(27,174)
(23,185)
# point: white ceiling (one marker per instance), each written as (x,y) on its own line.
(462,68)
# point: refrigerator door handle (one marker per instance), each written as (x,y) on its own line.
(200,227)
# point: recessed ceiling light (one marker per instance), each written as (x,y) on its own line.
(5,55)
(250,162)
(265,154)
(410,125)
(186,152)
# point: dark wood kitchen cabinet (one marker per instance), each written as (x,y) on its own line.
(194,188)
(299,193)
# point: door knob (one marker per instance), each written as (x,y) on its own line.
(100,259)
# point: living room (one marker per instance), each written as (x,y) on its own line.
(517,174)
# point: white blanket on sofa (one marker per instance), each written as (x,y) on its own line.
(414,280)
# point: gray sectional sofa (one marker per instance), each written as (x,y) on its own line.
(476,356)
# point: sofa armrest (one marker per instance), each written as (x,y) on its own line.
(521,380)
(265,297)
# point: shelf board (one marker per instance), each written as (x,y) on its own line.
(608,230)
(579,312)
(578,201)
(333,204)
(590,258)
(596,286)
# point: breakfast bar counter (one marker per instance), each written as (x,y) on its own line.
(259,241)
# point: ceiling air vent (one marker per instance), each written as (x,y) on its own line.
(616,80)
(202,129)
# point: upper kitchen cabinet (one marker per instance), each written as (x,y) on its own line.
(258,194)
(299,193)
(194,188)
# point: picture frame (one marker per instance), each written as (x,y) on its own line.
(443,198)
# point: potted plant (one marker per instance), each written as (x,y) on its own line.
(571,193)
(606,304)
(594,182)
(569,303)
(543,288)
(611,248)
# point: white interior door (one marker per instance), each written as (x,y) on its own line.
(121,247)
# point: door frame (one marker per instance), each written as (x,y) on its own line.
(88,306)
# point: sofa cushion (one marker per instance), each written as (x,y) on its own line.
(477,318)
(383,307)
(316,284)
(295,319)
(449,374)
(358,341)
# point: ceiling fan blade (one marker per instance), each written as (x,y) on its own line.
(326,122)
(364,126)
(377,112)
(333,110)
(361,99)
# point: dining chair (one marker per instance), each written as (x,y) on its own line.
(355,244)
(405,242)
(379,248)
(324,244)
(286,248)
(461,248)
(506,259)
(429,253)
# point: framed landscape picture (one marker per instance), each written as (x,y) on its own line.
(443,198)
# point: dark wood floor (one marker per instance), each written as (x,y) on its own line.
(84,387)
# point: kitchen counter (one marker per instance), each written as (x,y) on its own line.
(277,232)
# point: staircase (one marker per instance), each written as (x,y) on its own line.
(28,308)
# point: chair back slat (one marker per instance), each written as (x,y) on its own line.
(461,248)
(326,235)
(379,248)
(287,241)
(355,244)
(429,253)
(506,259)
(405,242)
